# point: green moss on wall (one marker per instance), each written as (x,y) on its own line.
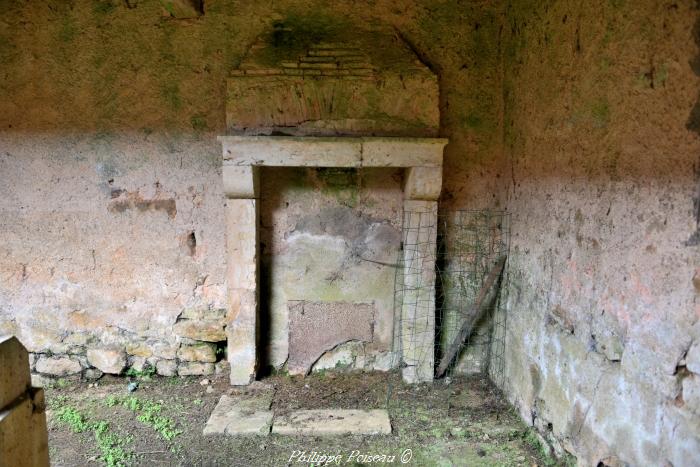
(292,36)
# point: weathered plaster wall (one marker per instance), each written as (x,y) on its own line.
(603,331)
(111,203)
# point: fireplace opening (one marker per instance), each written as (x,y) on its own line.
(329,241)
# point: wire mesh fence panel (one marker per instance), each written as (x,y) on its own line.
(448,315)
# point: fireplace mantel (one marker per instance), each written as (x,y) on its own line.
(293,151)
(242,158)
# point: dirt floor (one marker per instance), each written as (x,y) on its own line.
(465,422)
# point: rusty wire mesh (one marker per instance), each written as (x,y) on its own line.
(443,264)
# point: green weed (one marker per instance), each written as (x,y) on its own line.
(112,447)
(111,401)
(535,443)
(145,374)
(74,419)
(149,414)
(163,425)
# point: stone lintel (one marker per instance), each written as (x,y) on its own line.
(291,151)
(402,152)
(423,183)
(241,181)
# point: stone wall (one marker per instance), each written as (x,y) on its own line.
(602,136)
(111,204)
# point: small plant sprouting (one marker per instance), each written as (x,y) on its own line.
(74,419)
(112,447)
(146,374)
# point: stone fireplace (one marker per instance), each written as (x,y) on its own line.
(245,155)
(330,107)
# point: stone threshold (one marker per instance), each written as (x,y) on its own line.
(251,416)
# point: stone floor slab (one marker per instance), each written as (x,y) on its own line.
(241,415)
(333,422)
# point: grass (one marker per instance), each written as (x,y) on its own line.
(113,448)
(149,413)
(146,374)
(544,451)
(73,418)
(459,424)
(113,451)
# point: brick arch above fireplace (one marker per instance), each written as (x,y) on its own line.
(365,83)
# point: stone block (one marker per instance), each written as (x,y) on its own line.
(78,338)
(241,345)
(241,415)
(203,313)
(137,363)
(317,327)
(693,358)
(241,276)
(691,393)
(41,381)
(423,183)
(92,374)
(164,350)
(58,366)
(197,353)
(204,330)
(166,367)
(345,355)
(385,361)
(110,360)
(14,370)
(241,182)
(333,422)
(222,367)
(195,369)
(40,339)
(291,151)
(288,151)
(138,349)
(241,242)
(402,152)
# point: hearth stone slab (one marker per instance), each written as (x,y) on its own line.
(333,422)
(241,415)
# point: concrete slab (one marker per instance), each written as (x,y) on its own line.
(333,422)
(241,415)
